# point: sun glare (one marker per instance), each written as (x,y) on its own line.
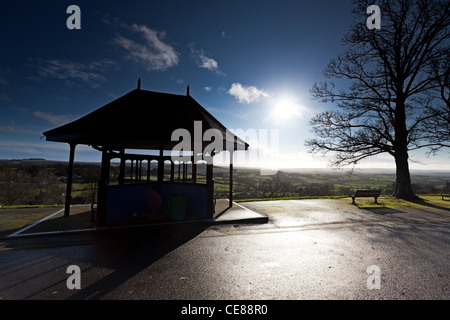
(285,110)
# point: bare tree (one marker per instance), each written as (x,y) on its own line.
(438,124)
(391,74)
(47,188)
(273,187)
(91,175)
(15,186)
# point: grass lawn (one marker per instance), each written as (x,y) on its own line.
(12,220)
(390,202)
(291,198)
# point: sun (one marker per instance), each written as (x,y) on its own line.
(285,110)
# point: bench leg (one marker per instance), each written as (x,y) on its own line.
(376,200)
(353,200)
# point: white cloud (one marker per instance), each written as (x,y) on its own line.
(208,63)
(90,73)
(52,118)
(207,88)
(205,62)
(153,53)
(247,94)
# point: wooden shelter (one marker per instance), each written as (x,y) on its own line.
(146,120)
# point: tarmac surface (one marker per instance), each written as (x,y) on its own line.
(288,250)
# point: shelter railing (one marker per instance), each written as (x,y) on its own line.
(138,169)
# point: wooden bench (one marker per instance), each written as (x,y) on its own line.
(443,195)
(365,194)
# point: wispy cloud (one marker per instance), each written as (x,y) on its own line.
(23,147)
(247,94)
(41,148)
(150,51)
(205,62)
(8,129)
(17,129)
(207,88)
(52,118)
(89,73)
(225,35)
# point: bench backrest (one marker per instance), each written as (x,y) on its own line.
(367,193)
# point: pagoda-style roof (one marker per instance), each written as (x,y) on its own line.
(141,119)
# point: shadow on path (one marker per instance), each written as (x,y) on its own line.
(382,210)
(426,203)
(129,252)
(122,252)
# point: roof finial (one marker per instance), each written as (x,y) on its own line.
(139,84)
(187,90)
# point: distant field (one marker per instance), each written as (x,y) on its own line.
(247,178)
(327,183)
(248,183)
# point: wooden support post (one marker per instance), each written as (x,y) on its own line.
(122,167)
(102,188)
(210,191)
(69,181)
(230,196)
(140,170)
(194,170)
(131,171)
(136,175)
(161,164)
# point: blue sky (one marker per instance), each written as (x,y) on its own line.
(250,63)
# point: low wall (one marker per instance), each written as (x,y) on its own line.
(124,202)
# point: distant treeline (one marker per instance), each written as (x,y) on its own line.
(30,184)
(34,182)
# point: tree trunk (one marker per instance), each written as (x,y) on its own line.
(403,188)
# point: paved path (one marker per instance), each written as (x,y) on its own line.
(309,249)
